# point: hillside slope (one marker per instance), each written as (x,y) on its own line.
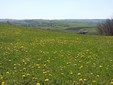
(40,57)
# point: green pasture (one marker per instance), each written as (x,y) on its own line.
(30,56)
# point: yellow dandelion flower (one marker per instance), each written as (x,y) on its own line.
(79,74)
(37,83)
(28,74)
(62,73)
(94,81)
(7,73)
(111,83)
(46,80)
(3,83)
(44,64)
(80,79)
(85,79)
(44,72)
(81,67)
(97,75)
(91,73)
(23,75)
(71,72)
(100,66)
(37,64)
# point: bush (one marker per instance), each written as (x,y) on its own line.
(106,28)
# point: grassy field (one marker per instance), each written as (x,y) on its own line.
(68,25)
(40,57)
(90,27)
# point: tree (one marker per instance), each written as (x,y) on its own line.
(106,28)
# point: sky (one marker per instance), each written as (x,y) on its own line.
(56,9)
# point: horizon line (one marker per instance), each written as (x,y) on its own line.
(51,19)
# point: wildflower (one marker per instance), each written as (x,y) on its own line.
(100,66)
(91,73)
(3,83)
(80,79)
(14,67)
(111,83)
(37,65)
(14,64)
(79,74)
(24,68)
(28,74)
(62,73)
(81,67)
(37,83)
(23,75)
(23,60)
(44,72)
(7,72)
(71,72)
(94,81)
(97,75)
(44,64)
(46,79)
(84,79)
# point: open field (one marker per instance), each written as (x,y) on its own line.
(66,25)
(40,57)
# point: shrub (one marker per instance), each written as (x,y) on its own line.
(106,28)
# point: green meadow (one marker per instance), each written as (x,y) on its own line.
(32,56)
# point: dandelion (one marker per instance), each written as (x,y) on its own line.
(97,75)
(80,79)
(44,64)
(37,83)
(71,72)
(84,79)
(3,83)
(37,65)
(14,67)
(100,66)
(46,80)
(23,76)
(1,77)
(79,74)
(81,67)
(111,83)
(7,73)
(94,81)
(28,74)
(62,73)
(14,64)
(91,73)
(24,68)
(44,72)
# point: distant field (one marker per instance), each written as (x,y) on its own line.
(75,27)
(43,57)
(66,25)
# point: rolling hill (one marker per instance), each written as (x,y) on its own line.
(43,57)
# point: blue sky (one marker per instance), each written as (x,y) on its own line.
(56,9)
